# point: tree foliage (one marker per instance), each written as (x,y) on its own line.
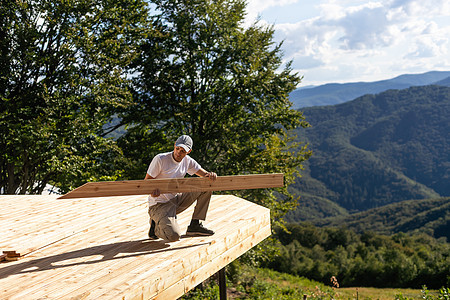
(62,73)
(206,75)
(365,259)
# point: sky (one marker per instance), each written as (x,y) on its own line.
(352,41)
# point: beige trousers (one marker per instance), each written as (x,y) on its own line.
(165,214)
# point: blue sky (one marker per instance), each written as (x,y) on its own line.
(351,41)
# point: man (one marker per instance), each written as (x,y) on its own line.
(163,208)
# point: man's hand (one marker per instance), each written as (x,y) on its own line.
(155,193)
(203,173)
(211,175)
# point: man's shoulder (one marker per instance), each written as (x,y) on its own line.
(190,162)
(163,155)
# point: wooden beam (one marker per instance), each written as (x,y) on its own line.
(180,185)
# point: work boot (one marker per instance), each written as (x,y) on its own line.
(151,232)
(197,228)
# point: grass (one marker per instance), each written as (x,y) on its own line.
(244,282)
(364,293)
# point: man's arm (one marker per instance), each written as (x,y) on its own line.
(203,173)
(156,192)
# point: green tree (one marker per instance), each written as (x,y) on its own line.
(63,71)
(225,85)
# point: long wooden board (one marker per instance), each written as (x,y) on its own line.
(181,185)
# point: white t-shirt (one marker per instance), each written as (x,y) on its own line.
(164,166)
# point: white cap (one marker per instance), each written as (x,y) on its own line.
(184,141)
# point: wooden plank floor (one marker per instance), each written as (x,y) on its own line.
(97,248)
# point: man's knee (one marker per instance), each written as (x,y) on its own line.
(168,232)
(174,237)
(170,235)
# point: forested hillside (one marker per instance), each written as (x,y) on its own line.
(375,150)
(430,216)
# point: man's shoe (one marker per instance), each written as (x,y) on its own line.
(152,235)
(198,229)
(151,232)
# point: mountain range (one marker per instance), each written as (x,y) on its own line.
(335,93)
(375,150)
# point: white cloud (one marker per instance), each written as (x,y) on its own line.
(331,10)
(367,27)
(430,28)
(420,8)
(427,46)
(255,7)
(355,40)
(261,5)
(308,37)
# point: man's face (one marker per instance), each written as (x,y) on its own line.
(179,153)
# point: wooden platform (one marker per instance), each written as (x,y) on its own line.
(97,248)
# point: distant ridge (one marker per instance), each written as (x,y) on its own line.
(335,93)
(444,82)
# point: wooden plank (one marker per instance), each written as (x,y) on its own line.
(191,253)
(91,251)
(176,185)
(113,259)
(213,266)
(191,267)
(193,259)
(44,224)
